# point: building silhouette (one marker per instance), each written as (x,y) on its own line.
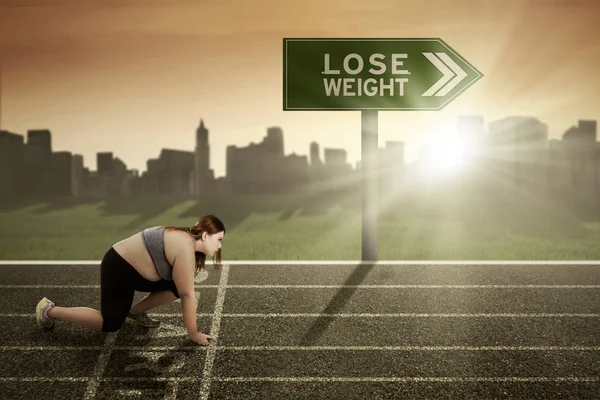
(204,180)
(579,153)
(12,179)
(517,151)
(509,156)
(171,173)
(264,168)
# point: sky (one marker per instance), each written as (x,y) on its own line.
(136,76)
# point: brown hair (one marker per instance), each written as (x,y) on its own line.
(209,224)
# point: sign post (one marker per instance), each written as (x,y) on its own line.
(369,75)
(370,184)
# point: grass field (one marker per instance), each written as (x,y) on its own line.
(309,227)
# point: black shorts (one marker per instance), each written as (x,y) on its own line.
(118,282)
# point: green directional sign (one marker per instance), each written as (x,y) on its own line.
(372,74)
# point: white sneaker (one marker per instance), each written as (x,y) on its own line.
(144,320)
(41,313)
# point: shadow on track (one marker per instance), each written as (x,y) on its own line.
(337,304)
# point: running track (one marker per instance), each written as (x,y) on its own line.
(317,331)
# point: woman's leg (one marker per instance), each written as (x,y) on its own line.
(153,300)
(116,295)
(82,316)
(115,306)
(116,290)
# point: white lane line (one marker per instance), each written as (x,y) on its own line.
(43,379)
(163,315)
(309,348)
(412,315)
(331,286)
(122,348)
(335,262)
(212,348)
(413,286)
(50,348)
(408,379)
(359,315)
(239,379)
(162,348)
(76,286)
(131,392)
(49,286)
(410,348)
(103,358)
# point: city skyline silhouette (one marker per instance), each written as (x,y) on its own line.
(416,148)
(514,148)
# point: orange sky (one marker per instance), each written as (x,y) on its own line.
(135,76)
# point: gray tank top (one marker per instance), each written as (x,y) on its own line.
(155,244)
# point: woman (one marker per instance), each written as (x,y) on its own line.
(160,260)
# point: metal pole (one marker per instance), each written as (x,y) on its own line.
(370,198)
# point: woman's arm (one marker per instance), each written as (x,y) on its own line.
(184,267)
(183,276)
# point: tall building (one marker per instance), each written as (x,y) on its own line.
(104,163)
(273,143)
(587,129)
(11,164)
(37,159)
(61,174)
(518,133)
(580,151)
(39,147)
(77,188)
(171,174)
(263,167)
(335,157)
(201,160)
(518,152)
(315,159)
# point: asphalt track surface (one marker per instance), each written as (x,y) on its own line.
(317,332)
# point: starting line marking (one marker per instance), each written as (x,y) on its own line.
(212,348)
(101,363)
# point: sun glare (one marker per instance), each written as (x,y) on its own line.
(446,155)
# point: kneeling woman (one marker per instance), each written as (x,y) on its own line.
(160,260)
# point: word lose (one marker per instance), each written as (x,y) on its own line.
(370,86)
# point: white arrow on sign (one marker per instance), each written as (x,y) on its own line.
(445,84)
